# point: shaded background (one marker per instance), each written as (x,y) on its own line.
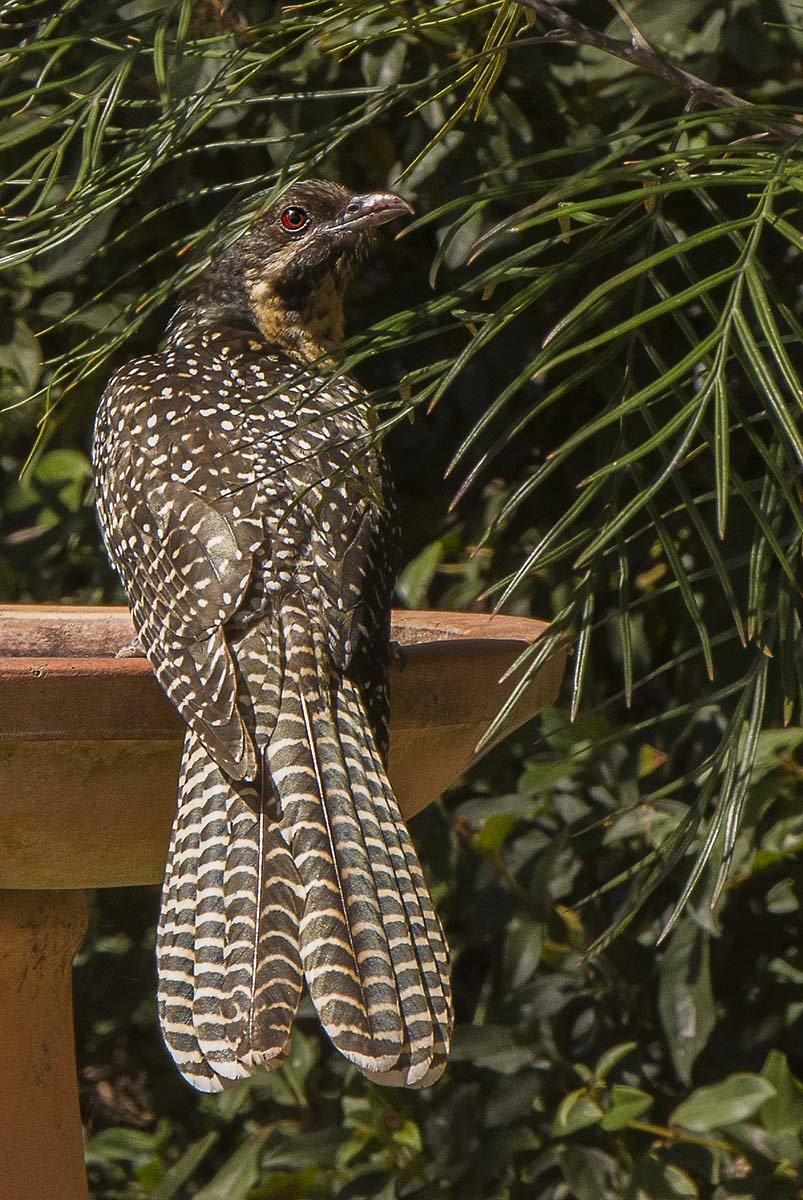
(126,131)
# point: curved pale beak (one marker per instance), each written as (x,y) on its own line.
(373,209)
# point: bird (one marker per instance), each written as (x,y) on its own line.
(248,509)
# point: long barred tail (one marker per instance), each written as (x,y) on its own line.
(230,973)
(311,874)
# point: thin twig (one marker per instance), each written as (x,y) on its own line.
(640,54)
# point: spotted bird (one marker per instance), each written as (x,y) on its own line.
(248,510)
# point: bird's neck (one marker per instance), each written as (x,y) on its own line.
(307,322)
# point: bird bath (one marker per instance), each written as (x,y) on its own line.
(89,751)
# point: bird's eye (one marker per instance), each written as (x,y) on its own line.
(294,219)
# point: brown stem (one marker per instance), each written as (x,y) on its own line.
(673,1134)
(640,54)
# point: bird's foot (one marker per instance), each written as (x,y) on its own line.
(132,650)
(397,655)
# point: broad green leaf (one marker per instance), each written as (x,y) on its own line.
(182,1171)
(685,998)
(523,946)
(655,1179)
(576,1110)
(302,1184)
(494,832)
(239,1174)
(611,1058)
(413,583)
(63,466)
(122,1145)
(587,1170)
(783,1112)
(490,1046)
(21,353)
(735,1099)
(626,1104)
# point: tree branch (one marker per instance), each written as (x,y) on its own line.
(640,54)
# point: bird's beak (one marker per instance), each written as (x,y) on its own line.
(372,209)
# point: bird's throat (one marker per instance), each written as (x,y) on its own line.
(306,322)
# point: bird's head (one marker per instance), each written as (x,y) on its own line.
(290,267)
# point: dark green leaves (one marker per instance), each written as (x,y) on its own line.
(594,417)
(686,1002)
(735,1099)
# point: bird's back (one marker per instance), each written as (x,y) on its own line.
(250,475)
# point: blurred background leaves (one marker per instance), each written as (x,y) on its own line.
(586,354)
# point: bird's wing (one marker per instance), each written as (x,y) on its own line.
(185,553)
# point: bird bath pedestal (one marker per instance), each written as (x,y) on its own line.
(89,750)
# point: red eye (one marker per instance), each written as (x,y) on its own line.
(294,219)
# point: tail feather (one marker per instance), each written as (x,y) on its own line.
(263,978)
(343,947)
(309,873)
(211,930)
(227,992)
(373,858)
(279,977)
(241,885)
(417,939)
(418,1040)
(176,932)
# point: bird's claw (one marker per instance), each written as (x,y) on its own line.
(397,655)
(132,650)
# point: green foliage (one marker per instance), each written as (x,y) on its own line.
(585,351)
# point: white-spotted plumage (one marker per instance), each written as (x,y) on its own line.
(248,511)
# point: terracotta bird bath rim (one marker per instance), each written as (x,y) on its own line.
(95,810)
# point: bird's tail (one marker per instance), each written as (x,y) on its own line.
(230,974)
(311,876)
